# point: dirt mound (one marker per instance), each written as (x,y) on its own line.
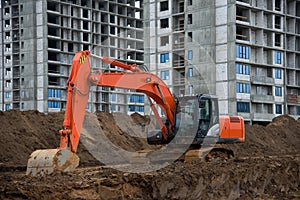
(281,136)
(267,165)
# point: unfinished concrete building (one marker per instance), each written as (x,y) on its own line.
(247,52)
(40,37)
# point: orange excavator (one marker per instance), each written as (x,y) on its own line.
(200,112)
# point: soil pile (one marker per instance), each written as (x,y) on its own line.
(280,137)
(266,166)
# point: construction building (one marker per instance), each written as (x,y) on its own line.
(40,37)
(247,52)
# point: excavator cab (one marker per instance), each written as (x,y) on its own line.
(197,117)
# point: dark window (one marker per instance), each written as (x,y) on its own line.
(278,109)
(164,5)
(243,107)
(164,40)
(164,23)
(190,19)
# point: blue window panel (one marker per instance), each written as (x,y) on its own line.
(278,91)
(243,107)
(237,68)
(22,106)
(190,89)
(131,108)
(298,110)
(277,73)
(165,75)
(113,97)
(190,72)
(164,57)
(277,57)
(242,51)
(54,93)
(243,88)
(167,57)
(131,99)
(7,107)
(7,95)
(139,99)
(242,69)
(113,107)
(190,54)
(53,104)
(278,109)
(247,70)
(140,108)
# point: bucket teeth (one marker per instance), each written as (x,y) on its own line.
(47,161)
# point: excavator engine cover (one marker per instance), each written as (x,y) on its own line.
(47,161)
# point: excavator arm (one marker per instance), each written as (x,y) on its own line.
(78,86)
(80,80)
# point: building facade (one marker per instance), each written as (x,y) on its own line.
(247,52)
(40,37)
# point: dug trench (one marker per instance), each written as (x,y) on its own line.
(266,166)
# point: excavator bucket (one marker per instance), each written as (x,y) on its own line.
(47,161)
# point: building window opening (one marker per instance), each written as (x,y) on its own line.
(278,22)
(278,109)
(165,75)
(278,91)
(277,57)
(190,19)
(277,40)
(190,36)
(190,72)
(164,23)
(164,5)
(242,51)
(278,5)
(164,58)
(164,40)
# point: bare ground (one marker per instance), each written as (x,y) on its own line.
(266,166)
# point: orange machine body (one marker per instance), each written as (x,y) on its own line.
(231,129)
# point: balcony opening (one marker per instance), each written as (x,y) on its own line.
(53,31)
(53,6)
(54,81)
(53,19)
(242,33)
(53,68)
(55,44)
(52,56)
(242,14)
